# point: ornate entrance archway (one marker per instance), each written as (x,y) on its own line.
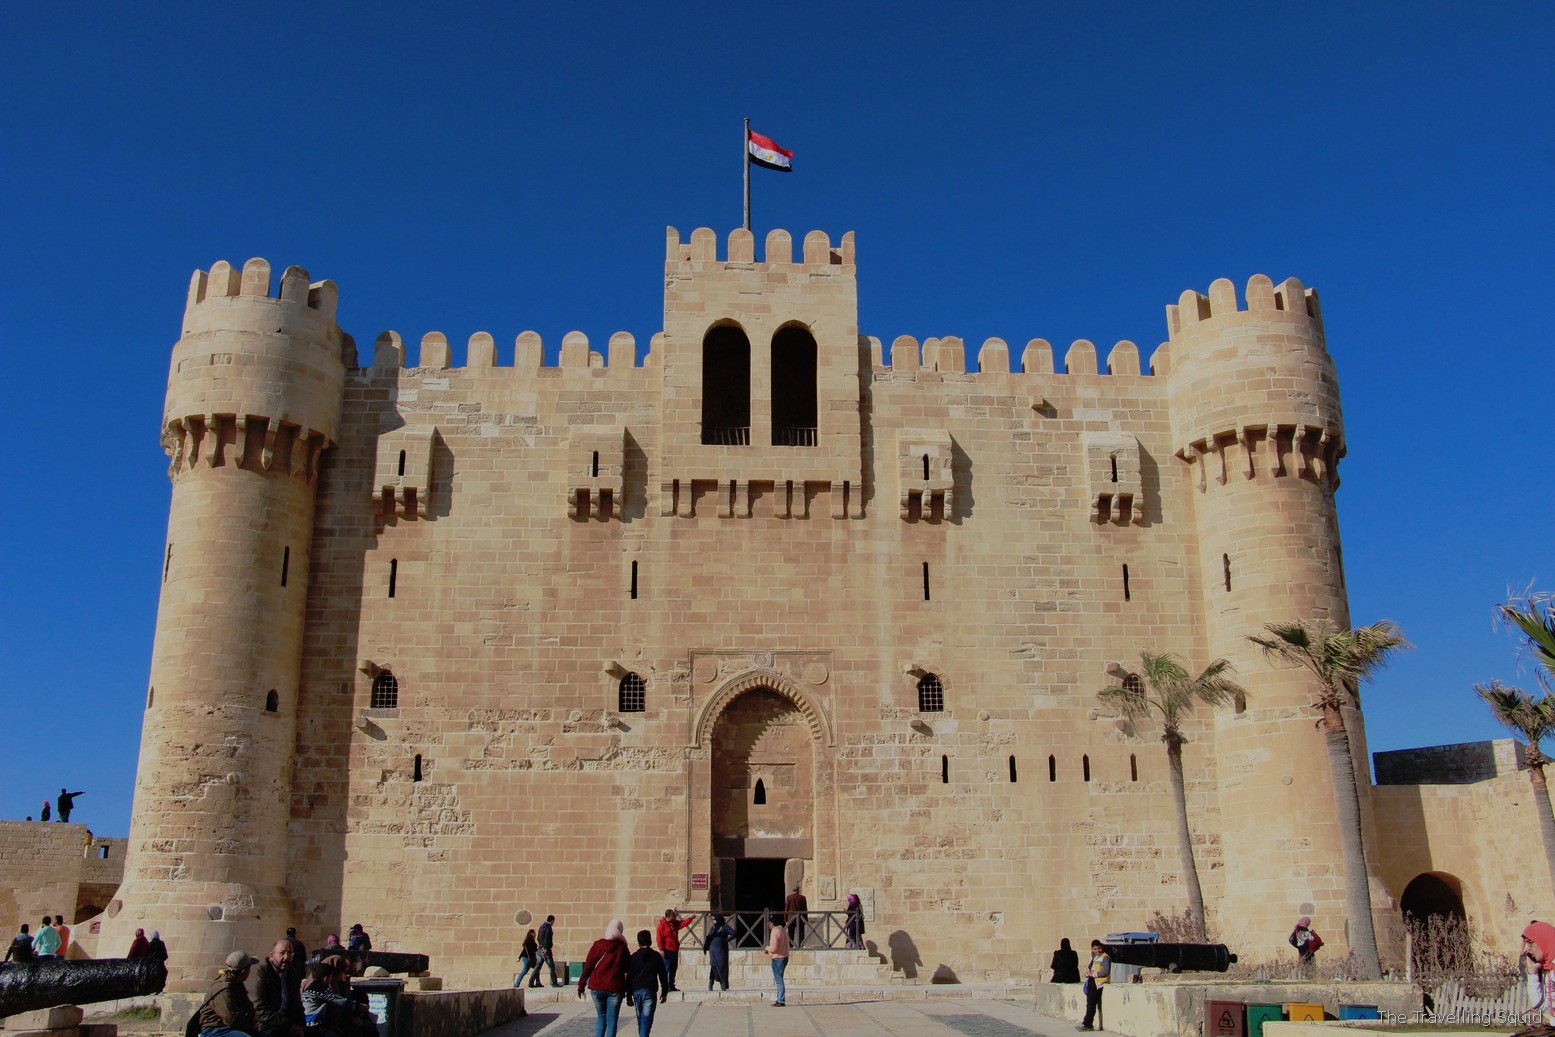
(764,801)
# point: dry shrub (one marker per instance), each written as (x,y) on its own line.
(1446,947)
(1174,928)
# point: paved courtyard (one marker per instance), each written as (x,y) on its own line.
(938,1018)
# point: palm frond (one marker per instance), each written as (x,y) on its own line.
(1518,711)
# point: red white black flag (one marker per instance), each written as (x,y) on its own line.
(765,152)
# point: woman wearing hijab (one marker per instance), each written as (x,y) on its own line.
(1539,947)
(854,923)
(138,946)
(1305,941)
(718,938)
(155,948)
(604,976)
(1066,963)
(529,958)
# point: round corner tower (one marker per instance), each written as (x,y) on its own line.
(1256,419)
(253,399)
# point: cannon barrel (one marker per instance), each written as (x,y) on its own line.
(30,986)
(1175,957)
(390,961)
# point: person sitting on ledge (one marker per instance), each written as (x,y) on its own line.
(227,1011)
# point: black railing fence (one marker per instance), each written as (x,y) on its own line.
(811,931)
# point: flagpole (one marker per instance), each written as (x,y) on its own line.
(745,152)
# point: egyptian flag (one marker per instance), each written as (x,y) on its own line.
(765,152)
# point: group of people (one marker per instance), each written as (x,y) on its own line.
(289,993)
(66,803)
(1098,971)
(614,973)
(52,940)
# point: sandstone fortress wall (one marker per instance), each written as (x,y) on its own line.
(517,551)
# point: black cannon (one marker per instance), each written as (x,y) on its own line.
(29,986)
(1173,957)
(390,961)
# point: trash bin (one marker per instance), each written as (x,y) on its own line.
(1258,1014)
(1128,973)
(574,971)
(1303,1012)
(1225,1018)
(1359,1012)
(383,1000)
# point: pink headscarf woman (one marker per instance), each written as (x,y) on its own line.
(1539,946)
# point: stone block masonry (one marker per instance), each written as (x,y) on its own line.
(444,649)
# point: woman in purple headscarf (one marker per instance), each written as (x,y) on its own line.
(853,925)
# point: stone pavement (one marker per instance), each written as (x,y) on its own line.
(896,1018)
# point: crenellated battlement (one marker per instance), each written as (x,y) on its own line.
(815,250)
(528,352)
(947,355)
(222,281)
(1262,297)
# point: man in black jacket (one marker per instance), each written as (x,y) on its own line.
(277,1010)
(646,976)
(546,936)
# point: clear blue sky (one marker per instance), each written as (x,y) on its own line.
(1025,170)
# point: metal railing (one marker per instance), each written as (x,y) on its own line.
(726,435)
(796,436)
(811,931)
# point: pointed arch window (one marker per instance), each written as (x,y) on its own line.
(726,386)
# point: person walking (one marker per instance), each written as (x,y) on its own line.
(138,946)
(646,976)
(1306,942)
(1097,975)
(795,914)
(529,960)
(669,940)
(778,949)
(604,977)
(546,938)
(227,1011)
(155,948)
(64,936)
(718,938)
(853,923)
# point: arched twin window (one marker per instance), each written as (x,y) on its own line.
(633,694)
(726,386)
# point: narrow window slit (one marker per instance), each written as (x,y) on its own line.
(1012,770)
(1052,768)
(286,563)
(634,580)
(272,701)
(402,462)
(944,770)
(415,768)
(1127,596)
(925,581)
(394,572)
(925,467)
(760,797)
(1133,767)
(1225,564)
(594,466)
(1085,766)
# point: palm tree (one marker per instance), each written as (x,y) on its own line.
(1534,719)
(1340,660)
(1532,615)
(1169,689)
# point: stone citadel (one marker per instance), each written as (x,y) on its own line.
(441,646)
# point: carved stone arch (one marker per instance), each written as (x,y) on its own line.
(812,710)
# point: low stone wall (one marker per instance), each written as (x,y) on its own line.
(1163,1007)
(458,1013)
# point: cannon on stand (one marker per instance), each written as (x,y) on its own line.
(1173,957)
(35,985)
(392,962)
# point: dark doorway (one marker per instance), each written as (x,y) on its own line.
(758,886)
(726,387)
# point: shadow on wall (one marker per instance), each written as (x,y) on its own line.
(904,954)
(961,481)
(1149,487)
(634,480)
